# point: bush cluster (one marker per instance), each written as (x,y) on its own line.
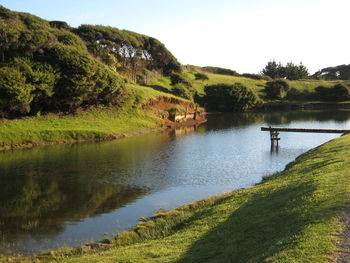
(225,97)
(276,89)
(50,66)
(338,92)
(181,86)
(289,71)
(201,76)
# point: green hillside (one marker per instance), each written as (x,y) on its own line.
(50,67)
(56,81)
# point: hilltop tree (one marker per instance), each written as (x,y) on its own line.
(48,68)
(290,71)
(274,70)
(128,52)
(294,72)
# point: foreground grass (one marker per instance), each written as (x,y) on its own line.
(290,217)
(97,124)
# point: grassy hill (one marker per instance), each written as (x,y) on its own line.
(63,84)
(300,90)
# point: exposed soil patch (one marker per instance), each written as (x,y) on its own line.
(162,103)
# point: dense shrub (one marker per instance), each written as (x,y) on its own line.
(276,89)
(183,91)
(339,92)
(201,76)
(177,78)
(59,25)
(83,80)
(42,76)
(133,51)
(295,94)
(60,68)
(225,97)
(15,93)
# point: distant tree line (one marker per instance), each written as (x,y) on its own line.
(341,72)
(289,71)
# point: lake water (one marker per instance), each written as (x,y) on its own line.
(69,194)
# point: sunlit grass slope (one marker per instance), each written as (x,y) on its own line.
(306,86)
(290,217)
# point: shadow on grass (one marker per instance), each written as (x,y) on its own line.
(263,226)
(314,166)
(159,88)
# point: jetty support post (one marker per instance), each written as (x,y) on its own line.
(274,137)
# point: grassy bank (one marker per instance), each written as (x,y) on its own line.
(108,123)
(99,123)
(290,217)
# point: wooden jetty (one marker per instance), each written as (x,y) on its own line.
(274,132)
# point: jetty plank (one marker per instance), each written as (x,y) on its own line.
(283,129)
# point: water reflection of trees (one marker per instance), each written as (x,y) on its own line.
(41,206)
(43,189)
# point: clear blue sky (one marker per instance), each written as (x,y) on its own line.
(237,34)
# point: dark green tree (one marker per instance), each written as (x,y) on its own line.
(15,93)
(225,97)
(274,70)
(276,89)
(295,72)
(183,91)
(338,92)
(290,70)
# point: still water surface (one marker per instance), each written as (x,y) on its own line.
(70,194)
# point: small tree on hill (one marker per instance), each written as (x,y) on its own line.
(274,70)
(276,89)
